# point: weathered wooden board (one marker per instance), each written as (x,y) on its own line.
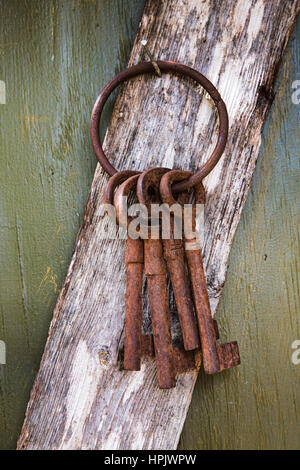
(80,398)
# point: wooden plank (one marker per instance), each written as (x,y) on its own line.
(80,398)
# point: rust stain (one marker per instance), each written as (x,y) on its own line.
(49,279)
(29,121)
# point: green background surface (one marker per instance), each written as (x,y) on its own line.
(55,57)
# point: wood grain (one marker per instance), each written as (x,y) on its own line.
(80,398)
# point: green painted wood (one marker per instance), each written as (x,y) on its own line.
(55,58)
(257,405)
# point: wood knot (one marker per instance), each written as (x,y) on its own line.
(104,357)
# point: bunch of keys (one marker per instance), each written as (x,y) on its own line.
(180,256)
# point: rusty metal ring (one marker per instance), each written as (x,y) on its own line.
(167,184)
(164,66)
(119,202)
(166,188)
(113,182)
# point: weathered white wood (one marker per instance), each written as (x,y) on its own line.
(80,399)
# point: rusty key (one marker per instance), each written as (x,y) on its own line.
(148,183)
(155,271)
(134,343)
(133,338)
(216,357)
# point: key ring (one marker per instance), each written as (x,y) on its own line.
(164,66)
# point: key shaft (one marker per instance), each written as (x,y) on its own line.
(134,259)
(174,254)
(155,271)
(216,357)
